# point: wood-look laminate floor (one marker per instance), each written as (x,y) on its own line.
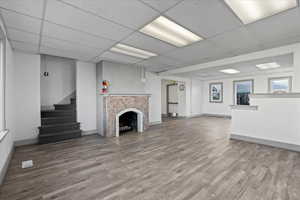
(178,160)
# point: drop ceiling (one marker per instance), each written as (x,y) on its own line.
(86,30)
(247,68)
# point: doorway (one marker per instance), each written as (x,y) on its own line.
(173,99)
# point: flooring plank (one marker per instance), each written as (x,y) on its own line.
(186,159)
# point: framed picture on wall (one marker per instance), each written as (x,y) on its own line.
(216,92)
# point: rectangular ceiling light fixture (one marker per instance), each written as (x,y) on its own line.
(230,71)
(166,30)
(265,66)
(132,51)
(252,10)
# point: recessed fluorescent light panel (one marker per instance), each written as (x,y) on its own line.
(230,71)
(252,10)
(265,66)
(168,31)
(132,51)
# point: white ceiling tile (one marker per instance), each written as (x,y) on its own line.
(142,41)
(21,22)
(70,47)
(197,52)
(204,17)
(278,28)
(29,7)
(68,34)
(22,46)
(198,61)
(66,15)
(162,5)
(228,40)
(118,11)
(161,61)
(281,42)
(14,34)
(63,53)
(117,57)
(155,68)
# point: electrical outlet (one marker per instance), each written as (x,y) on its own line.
(27,164)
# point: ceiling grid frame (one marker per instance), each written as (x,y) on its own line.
(133,30)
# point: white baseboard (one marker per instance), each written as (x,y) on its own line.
(195,115)
(89,132)
(154,123)
(6,165)
(282,145)
(216,115)
(25,142)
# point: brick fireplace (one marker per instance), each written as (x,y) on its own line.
(116,105)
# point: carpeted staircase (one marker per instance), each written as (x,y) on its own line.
(59,124)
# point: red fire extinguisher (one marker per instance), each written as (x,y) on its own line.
(105,85)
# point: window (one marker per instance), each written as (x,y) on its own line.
(280,85)
(2,84)
(242,89)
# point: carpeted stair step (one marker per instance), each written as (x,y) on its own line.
(57,113)
(59,127)
(57,120)
(65,106)
(59,124)
(59,136)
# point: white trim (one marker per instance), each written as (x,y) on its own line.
(2,78)
(140,117)
(194,115)
(25,142)
(125,94)
(243,107)
(216,115)
(154,123)
(3,134)
(274,95)
(4,169)
(89,132)
(277,144)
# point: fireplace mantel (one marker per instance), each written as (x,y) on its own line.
(125,94)
(116,103)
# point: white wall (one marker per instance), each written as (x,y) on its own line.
(123,78)
(153,87)
(128,79)
(260,86)
(86,95)
(27,96)
(196,97)
(6,144)
(60,84)
(276,120)
(181,99)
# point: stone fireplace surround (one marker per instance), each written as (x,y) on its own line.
(117,104)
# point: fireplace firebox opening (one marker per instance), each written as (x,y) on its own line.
(128,122)
(130,119)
